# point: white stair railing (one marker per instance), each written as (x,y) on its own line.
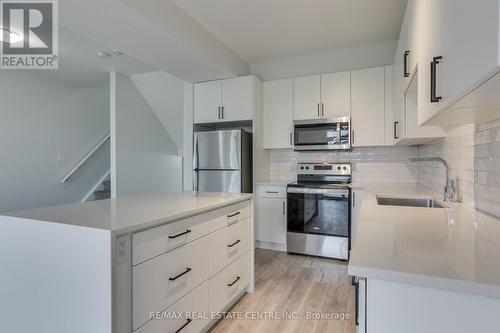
(84,159)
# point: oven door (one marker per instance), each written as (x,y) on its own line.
(334,134)
(318,211)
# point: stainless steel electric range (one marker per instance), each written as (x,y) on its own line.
(318,210)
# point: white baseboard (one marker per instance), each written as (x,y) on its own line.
(270,246)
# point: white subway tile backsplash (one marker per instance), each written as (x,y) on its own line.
(384,164)
(473,153)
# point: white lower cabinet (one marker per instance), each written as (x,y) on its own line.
(186,315)
(174,290)
(393,307)
(228,284)
(228,244)
(161,281)
(271,216)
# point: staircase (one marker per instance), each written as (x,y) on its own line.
(103,191)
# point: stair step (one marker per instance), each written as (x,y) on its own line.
(100,195)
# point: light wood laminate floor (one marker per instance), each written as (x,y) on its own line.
(295,284)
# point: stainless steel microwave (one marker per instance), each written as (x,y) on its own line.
(322,134)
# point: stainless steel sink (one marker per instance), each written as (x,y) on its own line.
(409,202)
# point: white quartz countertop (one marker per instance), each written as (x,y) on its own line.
(133,213)
(457,248)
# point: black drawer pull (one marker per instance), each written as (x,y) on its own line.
(231,245)
(185,324)
(232,283)
(235,214)
(406,73)
(396,123)
(434,63)
(273,192)
(181,234)
(178,276)
(356,299)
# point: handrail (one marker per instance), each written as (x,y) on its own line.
(83,160)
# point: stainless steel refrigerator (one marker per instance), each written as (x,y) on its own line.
(223,161)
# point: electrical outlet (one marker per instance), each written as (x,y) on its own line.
(123,247)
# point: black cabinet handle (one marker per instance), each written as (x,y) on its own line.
(284,210)
(218,112)
(231,245)
(396,123)
(406,73)
(181,234)
(434,63)
(232,283)
(291,141)
(273,192)
(183,326)
(178,276)
(233,215)
(356,299)
(222,112)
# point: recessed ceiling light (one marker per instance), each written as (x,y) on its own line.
(14,37)
(103,54)
(117,52)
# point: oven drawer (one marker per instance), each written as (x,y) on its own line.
(318,245)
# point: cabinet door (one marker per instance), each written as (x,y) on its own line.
(465,34)
(278,114)
(207,100)
(336,95)
(398,86)
(306,97)
(237,99)
(271,220)
(389,113)
(411,23)
(368,107)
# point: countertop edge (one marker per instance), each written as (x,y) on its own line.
(428,281)
(175,218)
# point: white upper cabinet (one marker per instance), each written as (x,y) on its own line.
(207,101)
(237,99)
(306,97)
(224,100)
(410,27)
(368,107)
(278,114)
(322,96)
(458,52)
(336,94)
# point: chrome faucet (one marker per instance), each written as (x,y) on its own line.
(449,189)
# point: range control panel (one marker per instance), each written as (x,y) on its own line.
(333,169)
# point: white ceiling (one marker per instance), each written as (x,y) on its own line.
(263,30)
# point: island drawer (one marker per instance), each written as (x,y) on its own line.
(153,242)
(177,319)
(232,215)
(229,283)
(227,244)
(159,282)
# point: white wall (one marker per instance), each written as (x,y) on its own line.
(364,56)
(46,126)
(144,157)
(164,94)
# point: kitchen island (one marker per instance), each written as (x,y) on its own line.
(424,269)
(125,265)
